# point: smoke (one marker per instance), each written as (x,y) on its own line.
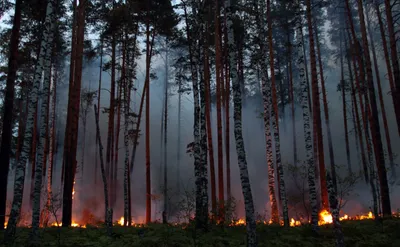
(90,197)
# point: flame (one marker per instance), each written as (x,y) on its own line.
(121,221)
(345,217)
(73,224)
(294,222)
(325,217)
(239,222)
(5,224)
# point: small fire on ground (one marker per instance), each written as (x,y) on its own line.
(324,215)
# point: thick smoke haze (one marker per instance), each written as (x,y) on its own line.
(90,197)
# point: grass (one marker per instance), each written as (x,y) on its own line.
(366,233)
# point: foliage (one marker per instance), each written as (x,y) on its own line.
(366,233)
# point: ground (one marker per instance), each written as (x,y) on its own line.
(365,233)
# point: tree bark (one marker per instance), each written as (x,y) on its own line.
(240,149)
(7,119)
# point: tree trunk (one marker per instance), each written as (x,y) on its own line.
(44,60)
(108,211)
(374,119)
(316,110)
(396,106)
(307,127)
(147,136)
(343,89)
(165,137)
(98,108)
(201,216)
(357,89)
(396,75)
(221,199)
(208,121)
(43,123)
(275,124)
(333,202)
(381,102)
(71,132)
(326,111)
(6,133)
(240,149)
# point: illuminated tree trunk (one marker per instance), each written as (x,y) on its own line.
(275,124)
(209,128)
(8,102)
(44,61)
(240,149)
(51,149)
(333,202)
(266,92)
(43,124)
(71,131)
(307,127)
(326,111)
(316,110)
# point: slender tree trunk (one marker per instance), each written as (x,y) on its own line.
(396,106)
(381,102)
(374,119)
(52,148)
(354,91)
(326,111)
(179,143)
(33,154)
(307,127)
(6,133)
(201,216)
(43,123)
(275,124)
(240,149)
(108,211)
(291,94)
(396,75)
(43,65)
(221,199)
(333,202)
(111,119)
(209,129)
(166,199)
(317,112)
(343,89)
(266,93)
(225,64)
(98,108)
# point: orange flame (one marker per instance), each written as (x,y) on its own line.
(325,218)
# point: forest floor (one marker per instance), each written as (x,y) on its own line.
(365,233)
